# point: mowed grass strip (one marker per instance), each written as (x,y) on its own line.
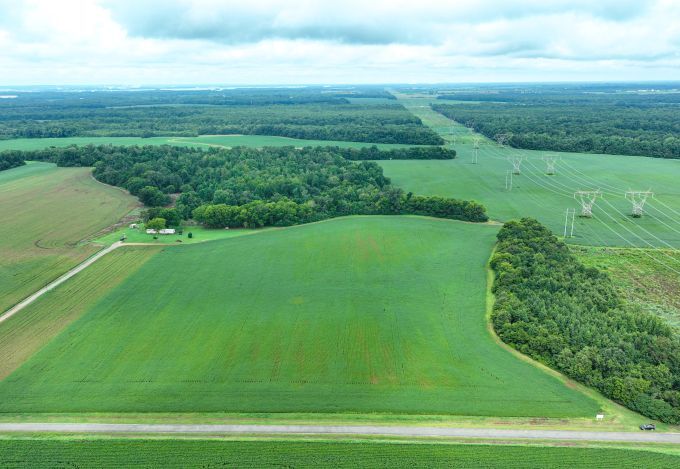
(544,197)
(45,212)
(26,332)
(203,453)
(359,314)
(200,141)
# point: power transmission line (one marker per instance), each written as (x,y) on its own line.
(638,199)
(587,200)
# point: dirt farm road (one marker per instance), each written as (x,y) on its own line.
(55,283)
(355,430)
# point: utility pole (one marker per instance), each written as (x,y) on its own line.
(516,162)
(638,199)
(571,212)
(475,148)
(508,180)
(587,200)
(551,162)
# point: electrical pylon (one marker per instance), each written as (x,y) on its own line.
(638,199)
(516,162)
(587,200)
(502,139)
(551,163)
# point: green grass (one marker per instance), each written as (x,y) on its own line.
(114,453)
(641,280)
(28,331)
(199,235)
(46,211)
(548,197)
(202,141)
(359,314)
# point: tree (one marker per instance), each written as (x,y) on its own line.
(152,197)
(156,224)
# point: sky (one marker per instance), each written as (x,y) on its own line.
(259,42)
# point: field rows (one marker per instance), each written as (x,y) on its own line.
(195,453)
(46,212)
(360,314)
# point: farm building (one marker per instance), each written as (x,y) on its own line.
(167,231)
(149,231)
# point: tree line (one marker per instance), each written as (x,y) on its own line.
(570,317)
(589,127)
(8,161)
(256,187)
(335,119)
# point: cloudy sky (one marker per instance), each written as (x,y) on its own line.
(341,41)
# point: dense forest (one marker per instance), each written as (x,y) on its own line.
(323,114)
(612,124)
(409,153)
(378,123)
(255,187)
(8,161)
(569,317)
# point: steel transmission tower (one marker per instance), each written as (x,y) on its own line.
(516,164)
(502,139)
(587,200)
(551,163)
(638,199)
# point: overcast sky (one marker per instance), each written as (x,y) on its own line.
(341,41)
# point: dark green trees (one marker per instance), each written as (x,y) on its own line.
(551,307)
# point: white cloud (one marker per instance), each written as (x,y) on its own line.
(296,41)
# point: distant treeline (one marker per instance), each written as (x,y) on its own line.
(379,123)
(569,317)
(409,153)
(8,161)
(42,100)
(588,126)
(256,187)
(312,115)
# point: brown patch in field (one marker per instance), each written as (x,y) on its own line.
(297,300)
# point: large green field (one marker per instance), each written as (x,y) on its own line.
(24,453)
(46,211)
(28,144)
(359,314)
(546,197)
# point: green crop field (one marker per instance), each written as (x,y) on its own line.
(27,332)
(642,281)
(201,141)
(203,453)
(359,314)
(546,197)
(46,211)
